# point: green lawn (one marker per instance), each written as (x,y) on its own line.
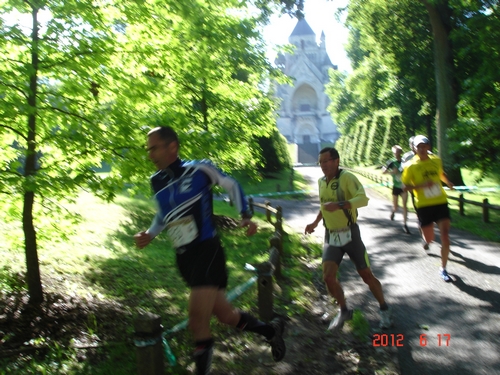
(94,268)
(98,265)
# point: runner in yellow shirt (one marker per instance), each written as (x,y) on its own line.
(423,177)
(341,194)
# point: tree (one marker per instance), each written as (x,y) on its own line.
(80,88)
(446,85)
(440,58)
(476,137)
(389,87)
(275,154)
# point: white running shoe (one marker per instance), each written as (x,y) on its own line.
(338,322)
(386,318)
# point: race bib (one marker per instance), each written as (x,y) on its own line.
(182,231)
(432,191)
(340,238)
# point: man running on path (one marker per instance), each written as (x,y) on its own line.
(341,194)
(183,193)
(423,177)
(394,167)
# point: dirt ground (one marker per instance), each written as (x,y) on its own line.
(311,349)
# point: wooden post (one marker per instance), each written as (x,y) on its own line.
(265,291)
(291,179)
(279,221)
(148,343)
(278,245)
(461,204)
(268,212)
(486,212)
(278,188)
(250,205)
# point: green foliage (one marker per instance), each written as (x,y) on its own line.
(360,326)
(100,264)
(393,82)
(274,153)
(82,87)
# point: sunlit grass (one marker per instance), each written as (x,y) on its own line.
(99,261)
(272,183)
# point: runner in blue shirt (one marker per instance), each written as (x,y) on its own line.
(184,197)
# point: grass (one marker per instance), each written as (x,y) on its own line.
(285,181)
(472,221)
(360,326)
(99,264)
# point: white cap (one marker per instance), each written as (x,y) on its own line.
(420,139)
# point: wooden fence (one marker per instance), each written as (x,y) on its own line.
(151,347)
(485,205)
(266,270)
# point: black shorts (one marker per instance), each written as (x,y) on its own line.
(355,249)
(397,191)
(432,214)
(204,264)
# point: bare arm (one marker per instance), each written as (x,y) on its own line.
(311,227)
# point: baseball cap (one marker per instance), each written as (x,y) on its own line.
(420,139)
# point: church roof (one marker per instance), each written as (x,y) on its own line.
(302,28)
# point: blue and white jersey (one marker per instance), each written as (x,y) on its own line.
(183,193)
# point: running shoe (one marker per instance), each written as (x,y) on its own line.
(392,216)
(444,275)
(386,318)
(278,348)
(405,229)
(338,322)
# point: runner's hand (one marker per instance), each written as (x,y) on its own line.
(142,239)
(252,227)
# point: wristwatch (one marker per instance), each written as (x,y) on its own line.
(341,204)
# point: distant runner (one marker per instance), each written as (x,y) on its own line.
(423,177)
(395,168)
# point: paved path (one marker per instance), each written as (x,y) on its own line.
(467,310)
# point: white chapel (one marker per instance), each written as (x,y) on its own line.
(303,117)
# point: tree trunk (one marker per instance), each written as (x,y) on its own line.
(446,88)
(30,244)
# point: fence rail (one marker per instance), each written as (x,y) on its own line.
(485,205)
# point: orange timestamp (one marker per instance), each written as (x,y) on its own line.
(397,339)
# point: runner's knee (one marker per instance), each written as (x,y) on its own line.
(330,278)
(367,276)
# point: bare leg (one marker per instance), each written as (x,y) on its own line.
(201,306)
(404,199)
(394,206)
(332,284)
(373,283)
(224,311)
(428,233)
(444,230)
